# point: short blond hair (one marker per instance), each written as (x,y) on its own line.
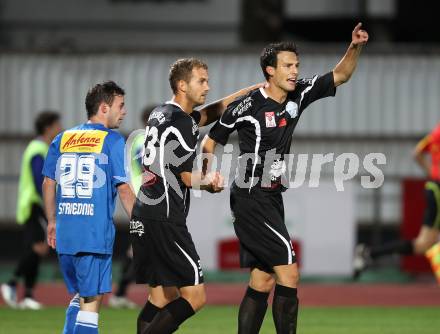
(182,70)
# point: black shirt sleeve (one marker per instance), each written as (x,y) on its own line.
(227,123)
(316,88)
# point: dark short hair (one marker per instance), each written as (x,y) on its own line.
(44,120)
(103,92)
(269,55)
(145,115)
(182,70)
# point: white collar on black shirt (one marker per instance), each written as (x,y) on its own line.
(174,103)
(263,92)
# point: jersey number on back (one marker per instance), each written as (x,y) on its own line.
(151,136)
(76,177)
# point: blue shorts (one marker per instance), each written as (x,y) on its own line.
(86,273)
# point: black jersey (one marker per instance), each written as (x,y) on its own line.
(170,149)
(265,127)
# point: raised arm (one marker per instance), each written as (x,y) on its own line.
(214,110)
(49,194)
(346,66)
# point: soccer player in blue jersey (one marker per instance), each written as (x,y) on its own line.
(84,171)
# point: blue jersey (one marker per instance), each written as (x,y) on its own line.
(87,163)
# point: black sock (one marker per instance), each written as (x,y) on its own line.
(146,316)
(403,247)
(285,309)
(127,277)
(170,317)
(252,310)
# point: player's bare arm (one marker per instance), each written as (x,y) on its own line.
(127,197)
(208,148)
(420,156)
(214,110)
(49,193)
(212,182)
(345,68)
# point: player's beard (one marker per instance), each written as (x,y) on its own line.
(115,124)
(197,101)
(202,100)
(285,87)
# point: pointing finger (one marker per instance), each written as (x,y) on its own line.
(358,27)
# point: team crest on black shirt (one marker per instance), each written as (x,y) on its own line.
(292,109)
(270,119)
(195,127)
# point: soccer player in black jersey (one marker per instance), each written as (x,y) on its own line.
(265,120)
(164,253)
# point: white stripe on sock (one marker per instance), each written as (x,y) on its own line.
(87,318)
(85,325)
(75,301)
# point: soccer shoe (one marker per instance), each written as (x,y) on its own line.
(433,255)
(121,302)
(9,294)
(361,260)
(30,304)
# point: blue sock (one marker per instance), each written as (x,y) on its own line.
(71,314)
(86,323)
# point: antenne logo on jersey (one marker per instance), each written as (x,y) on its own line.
(89,141)
(270,119)
(242,106)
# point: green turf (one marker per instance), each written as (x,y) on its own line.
(221,320)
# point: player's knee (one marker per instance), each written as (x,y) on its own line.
(201,301)
(160,301)
(171,294)
(289,278)
(92,304)
(265,284)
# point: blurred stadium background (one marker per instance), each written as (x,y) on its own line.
(52,51)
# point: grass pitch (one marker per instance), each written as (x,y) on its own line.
(222,319)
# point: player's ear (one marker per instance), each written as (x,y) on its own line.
(103,107)
(182,86)
(270,70)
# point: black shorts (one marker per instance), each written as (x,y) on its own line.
(164,254)
(34,229)
(432,213)
(260,228)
